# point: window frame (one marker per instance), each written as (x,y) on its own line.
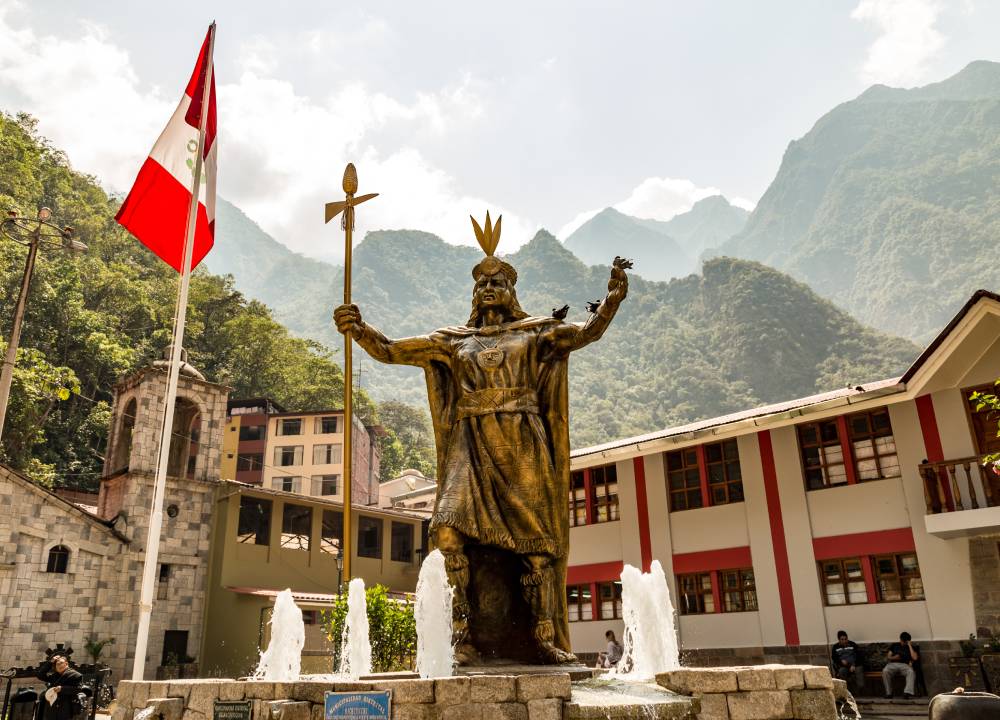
(745,591)
(292,538)
(725,463)
(685,469)
(820,445)
(284,423)
(321,421)
(602,478)
(578,498)
(245,462)
(331,532)
(280,452)
(899,575)
(57,559)
(872,435)
(614,598)
(395,551)
(844,580)
(242,537)
(332,454)
(584,602)
(699,591)
(372,522)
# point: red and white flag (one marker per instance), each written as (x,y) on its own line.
(156,209)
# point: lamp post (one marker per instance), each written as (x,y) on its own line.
(33,233)
(340,570)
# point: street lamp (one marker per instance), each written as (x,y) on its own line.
(33,233)
(340,570)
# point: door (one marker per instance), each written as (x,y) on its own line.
(984,422)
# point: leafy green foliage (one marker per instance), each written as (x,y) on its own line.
(93,317)
(392,629)
(888,206)
(988,401)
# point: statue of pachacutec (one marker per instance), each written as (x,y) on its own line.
(497,387)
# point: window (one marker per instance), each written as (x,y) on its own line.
(578,603)
(288,455)
(331,536)
(604,491)
(50,616)
(725,481)
(251,432)
(163,582)
(696,594)
(844,582)
(610,594)
(369,537)
(873,445)
(739,593)
(401,545)
(327,454)
(249,462)
(325,484)
(290,426)
(684,479)
(58,559)
(286,483)
(296,524)
(175,647)
(577,499)
(822,454)
(310,617)
(255,521)
(897,577)
(326,425)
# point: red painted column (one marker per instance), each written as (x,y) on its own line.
(642,507)
(778,545)
(588,491)
(866,568)
(716,591)
(595,601)
(706,496)
(847,450)
(932,443)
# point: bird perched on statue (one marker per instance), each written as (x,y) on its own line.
(561,313)
(592,306)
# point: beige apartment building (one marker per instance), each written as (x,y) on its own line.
(865,509)
(303,453)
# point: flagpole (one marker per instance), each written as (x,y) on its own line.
(180,316)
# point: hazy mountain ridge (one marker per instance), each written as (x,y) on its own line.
(695,347)
(890,204)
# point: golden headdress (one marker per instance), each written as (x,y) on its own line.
(489,238)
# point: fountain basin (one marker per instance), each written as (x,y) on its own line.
(611,699)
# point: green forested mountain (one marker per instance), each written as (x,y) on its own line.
(738,335)
(94,317)
(662,249)
(890,204)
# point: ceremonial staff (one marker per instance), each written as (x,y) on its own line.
(333,209)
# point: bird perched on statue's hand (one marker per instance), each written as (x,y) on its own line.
(593,305)
(561,313)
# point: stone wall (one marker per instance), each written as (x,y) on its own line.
(934,656)
(772,692)
(984,559)
(485,697)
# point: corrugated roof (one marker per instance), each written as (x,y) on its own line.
(298,497)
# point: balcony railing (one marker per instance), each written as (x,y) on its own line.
(952,484)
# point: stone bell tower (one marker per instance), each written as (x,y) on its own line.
(126,494)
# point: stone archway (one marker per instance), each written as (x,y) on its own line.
(123,441)
(182,458)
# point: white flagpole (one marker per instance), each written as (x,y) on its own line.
(156,514)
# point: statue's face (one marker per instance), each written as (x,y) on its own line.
(492,292)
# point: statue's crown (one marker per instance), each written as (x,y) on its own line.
(489,238)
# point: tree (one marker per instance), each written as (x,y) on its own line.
(409,442)
(989,401)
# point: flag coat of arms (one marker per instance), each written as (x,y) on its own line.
(156,209)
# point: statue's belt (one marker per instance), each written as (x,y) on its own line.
(496,400)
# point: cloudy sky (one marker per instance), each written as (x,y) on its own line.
(545,111)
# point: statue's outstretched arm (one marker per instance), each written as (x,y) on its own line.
(418,350)
(567,337)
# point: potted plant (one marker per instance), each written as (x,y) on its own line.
(95,648)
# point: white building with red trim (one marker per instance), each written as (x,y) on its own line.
(864,509)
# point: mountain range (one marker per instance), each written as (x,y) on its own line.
(662,249)
(890,204)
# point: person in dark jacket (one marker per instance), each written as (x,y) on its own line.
(66,683)
(845,659)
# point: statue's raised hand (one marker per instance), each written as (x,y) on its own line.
(348,319)
(618,284)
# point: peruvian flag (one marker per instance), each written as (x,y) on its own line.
(156,209)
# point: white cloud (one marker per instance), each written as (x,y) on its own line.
(657,198)
(282,154)
(907,41)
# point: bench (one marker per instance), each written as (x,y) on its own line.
(874,657)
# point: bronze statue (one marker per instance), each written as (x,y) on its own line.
(498,398)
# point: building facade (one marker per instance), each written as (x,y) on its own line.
(410,491)
(244,440)
(864,509)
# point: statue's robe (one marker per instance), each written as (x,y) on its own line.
(502,439)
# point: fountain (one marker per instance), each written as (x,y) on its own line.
(435,654)
(282,660)
(650,637)
(356,646)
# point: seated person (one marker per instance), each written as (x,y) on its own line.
(613,654)
(65,681)
(845,659)
(902,656)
